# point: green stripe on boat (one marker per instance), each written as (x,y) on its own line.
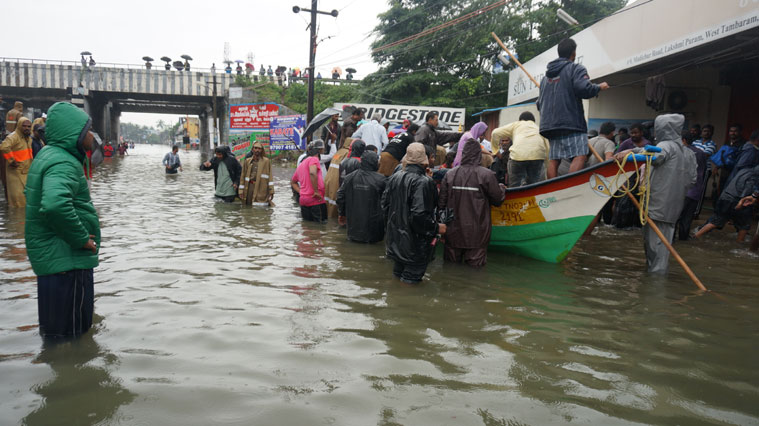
(547,241)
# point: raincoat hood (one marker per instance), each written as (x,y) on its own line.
(668,127)
(224,151)
(478,130)
(369,161)
(357,148)
(66,127)
(415,154)
(555,67)
(255,145)
(18,131)
(474,133)
(471,154)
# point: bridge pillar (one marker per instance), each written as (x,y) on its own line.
(223,113)
(114,119)
(205,134)
(97,110)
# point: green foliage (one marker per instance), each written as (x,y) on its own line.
(453,67)
(295,96)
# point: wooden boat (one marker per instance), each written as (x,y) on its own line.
(544,220)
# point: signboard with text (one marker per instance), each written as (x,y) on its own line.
(285,132)
(603,49)
(397,113)
(252,116)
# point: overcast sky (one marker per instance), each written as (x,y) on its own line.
(125,31)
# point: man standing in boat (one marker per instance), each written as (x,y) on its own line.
(562,120)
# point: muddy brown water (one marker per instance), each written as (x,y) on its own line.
(211,313)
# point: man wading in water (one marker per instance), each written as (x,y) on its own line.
(409,205)
(171,161)
(226,173)
(62,228)
(256,187)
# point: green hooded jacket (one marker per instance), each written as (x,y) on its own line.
(60,216)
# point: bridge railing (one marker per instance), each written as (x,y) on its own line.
(156,65)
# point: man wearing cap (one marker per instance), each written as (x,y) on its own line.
(38,138)
(62,230)
(16,149)
(11,118)
(256,186)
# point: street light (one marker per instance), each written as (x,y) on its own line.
(312,54)
(564,16)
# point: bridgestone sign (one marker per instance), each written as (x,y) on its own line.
(397,113)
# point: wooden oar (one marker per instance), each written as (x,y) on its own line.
(656,229)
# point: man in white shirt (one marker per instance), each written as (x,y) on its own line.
(373,133)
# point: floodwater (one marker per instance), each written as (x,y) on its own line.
(211,313)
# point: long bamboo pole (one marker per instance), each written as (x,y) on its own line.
(656,229)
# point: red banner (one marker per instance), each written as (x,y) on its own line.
(252,116)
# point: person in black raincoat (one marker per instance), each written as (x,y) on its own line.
(469,190)
(358,201)
(353,162)
(233,171)
(409,204)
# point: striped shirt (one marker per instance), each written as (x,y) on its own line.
(709,147)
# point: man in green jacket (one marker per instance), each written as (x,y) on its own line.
(62,227)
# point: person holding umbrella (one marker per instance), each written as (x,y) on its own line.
(331,132)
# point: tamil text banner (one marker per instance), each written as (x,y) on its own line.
(252,116)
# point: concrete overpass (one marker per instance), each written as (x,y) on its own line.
(107,90)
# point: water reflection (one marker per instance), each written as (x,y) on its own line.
(82,391)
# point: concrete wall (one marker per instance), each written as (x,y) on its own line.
(708,100)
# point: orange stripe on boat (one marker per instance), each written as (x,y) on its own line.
(517,211)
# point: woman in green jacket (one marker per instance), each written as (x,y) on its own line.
(62,229)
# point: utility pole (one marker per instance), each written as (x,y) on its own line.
(215,116)
(312,54)
(311,64)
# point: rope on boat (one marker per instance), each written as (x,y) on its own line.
(644,193)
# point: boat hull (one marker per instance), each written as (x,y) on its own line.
(543,221)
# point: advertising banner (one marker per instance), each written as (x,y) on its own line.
(603,49)
(243,145)
(397,113)
(252,116)
(285,132)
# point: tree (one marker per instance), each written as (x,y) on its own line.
(295,96)
(453,66)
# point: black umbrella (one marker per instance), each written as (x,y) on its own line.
(319,120)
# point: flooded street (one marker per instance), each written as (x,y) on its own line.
(212,313)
